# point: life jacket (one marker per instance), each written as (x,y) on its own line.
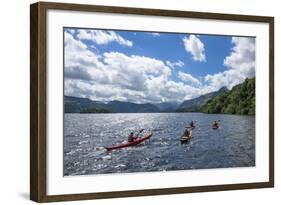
(131,138)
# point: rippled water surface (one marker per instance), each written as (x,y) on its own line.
(86,135)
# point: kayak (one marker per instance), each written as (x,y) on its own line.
(185,138)
(215,127)
(128,144)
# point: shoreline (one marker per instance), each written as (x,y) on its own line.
(157,113)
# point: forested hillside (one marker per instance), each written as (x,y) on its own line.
(239,100)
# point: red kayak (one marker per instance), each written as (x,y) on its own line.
(135,142)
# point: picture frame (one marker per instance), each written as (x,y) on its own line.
(40,101)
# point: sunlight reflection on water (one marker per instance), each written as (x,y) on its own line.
(86,135)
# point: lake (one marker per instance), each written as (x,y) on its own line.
(86,135)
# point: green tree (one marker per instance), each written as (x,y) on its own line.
(239,100)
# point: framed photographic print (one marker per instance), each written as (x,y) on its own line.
(135,102)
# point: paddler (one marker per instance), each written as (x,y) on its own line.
(131,137)
(192,123)
(216,124)
(188,133)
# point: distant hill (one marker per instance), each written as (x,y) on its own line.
(167,106)
(194,105)
(84,105)
(239,100)
(128,107)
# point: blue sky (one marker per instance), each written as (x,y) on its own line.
(153,67)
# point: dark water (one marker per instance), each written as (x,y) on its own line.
(85,135)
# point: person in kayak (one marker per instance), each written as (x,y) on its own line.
(192,124)
(216,124)
(188,133)
(131,137)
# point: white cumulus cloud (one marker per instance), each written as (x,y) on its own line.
(77,66)
(117,76)
(195,46)
(103,37)
(240,63)
(186,77)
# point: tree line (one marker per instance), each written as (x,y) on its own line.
(239,100)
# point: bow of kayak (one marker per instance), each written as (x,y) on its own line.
(128,144)
(185,139)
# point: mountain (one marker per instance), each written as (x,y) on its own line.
(128,107)
(239,100)
(84,105)
(194,105)
(167,106)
